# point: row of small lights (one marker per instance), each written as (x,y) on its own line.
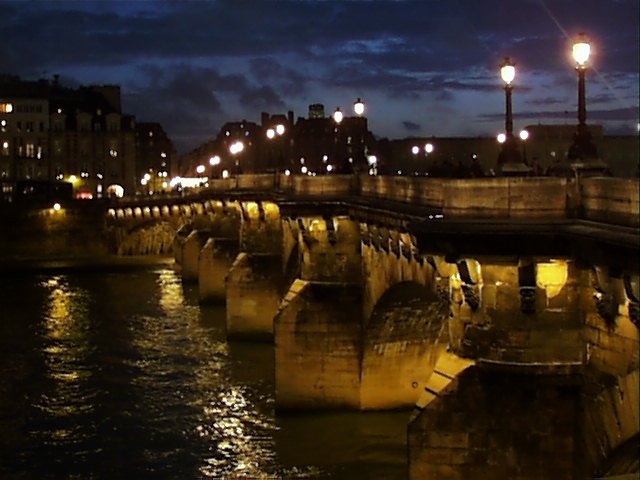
(279,130)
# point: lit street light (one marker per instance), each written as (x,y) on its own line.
(358,107)
(509,160)
(337,116)
(235,148)
(524,135)
(582,154)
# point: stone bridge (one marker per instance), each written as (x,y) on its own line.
(505,310)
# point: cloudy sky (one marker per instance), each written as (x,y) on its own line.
(427,67)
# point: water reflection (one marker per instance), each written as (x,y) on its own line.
(66,346)
(124,375)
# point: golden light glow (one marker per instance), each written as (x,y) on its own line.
(317,226)
(581,51)
(455,281)
(337,115)
(73,178)
(358,107)
(57,207)
(552,276)
(507,71)
(271,209)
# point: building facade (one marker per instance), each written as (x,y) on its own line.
(155,158)
(49,132)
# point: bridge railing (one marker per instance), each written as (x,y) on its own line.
(601,199)
(611,200)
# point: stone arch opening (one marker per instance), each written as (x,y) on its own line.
(405,335)
(147,238)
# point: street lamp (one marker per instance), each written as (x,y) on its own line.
(337,115)
(582,154)
(358,107)
(235,148)
(214,162)
(524,136)
(508,73)
(509,160)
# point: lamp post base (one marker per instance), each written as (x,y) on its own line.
(513,169)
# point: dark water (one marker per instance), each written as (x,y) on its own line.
(109,373)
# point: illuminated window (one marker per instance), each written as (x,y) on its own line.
(30,150)
(6,107)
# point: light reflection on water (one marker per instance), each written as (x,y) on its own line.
(124,375)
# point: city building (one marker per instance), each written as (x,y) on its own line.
(313,145)
(49,132)
(155,158)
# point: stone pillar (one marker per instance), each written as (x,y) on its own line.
(215,261)
(178,242)
(317,345)
(219,251)
(255,282)
(191,254)
(253,292)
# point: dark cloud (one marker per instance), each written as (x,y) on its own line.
(262,98)
(183,62)
(546,101)
(615,114)
(411,126)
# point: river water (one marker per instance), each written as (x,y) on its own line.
(117,372)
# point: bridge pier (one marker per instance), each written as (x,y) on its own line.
(318,344)
(255,281)
(214,262)
(364,325)
(190,250)
(554,387)
(254,288)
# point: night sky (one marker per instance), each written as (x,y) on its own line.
(424,68)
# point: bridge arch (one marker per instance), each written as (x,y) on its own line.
(405,335)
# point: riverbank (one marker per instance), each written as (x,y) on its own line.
(110,263)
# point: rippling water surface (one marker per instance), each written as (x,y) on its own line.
(119,373)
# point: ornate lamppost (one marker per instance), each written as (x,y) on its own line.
(582,154)
(509,160)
